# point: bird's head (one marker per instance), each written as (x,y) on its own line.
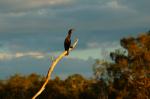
(70,31)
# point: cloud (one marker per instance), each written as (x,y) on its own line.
(100,51)
(28,5)
(37,16)
(93,50)
(37,55)
(92,44)
(4,56)
(12,56)
(28,65)
(114,4)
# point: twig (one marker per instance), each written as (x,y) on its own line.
(52,68)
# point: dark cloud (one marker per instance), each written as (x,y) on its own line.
(98,15)
(138,5)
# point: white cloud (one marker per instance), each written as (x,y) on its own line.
(5,56)
(39,3)
(30,7)
(102,51)
(24,6)
(52,2)
(118,5)
(17,55)
(9,56)
(37,55)
(92,44)
(94,50)
(115,5)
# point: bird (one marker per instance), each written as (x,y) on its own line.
(67,42)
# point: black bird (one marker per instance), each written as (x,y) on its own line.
(67,42)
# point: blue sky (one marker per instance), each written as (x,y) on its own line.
(31,31)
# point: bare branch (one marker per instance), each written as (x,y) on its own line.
(52,68)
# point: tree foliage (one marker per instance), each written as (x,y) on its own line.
(73,87)
(129,73)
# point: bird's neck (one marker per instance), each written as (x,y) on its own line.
(69,36)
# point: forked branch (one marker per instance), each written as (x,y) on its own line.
(52,68)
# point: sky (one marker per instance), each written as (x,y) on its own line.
(33,31)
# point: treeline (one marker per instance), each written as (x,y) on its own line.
(74,87)
(126,77)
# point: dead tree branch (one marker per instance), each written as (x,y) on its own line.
(52,68)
